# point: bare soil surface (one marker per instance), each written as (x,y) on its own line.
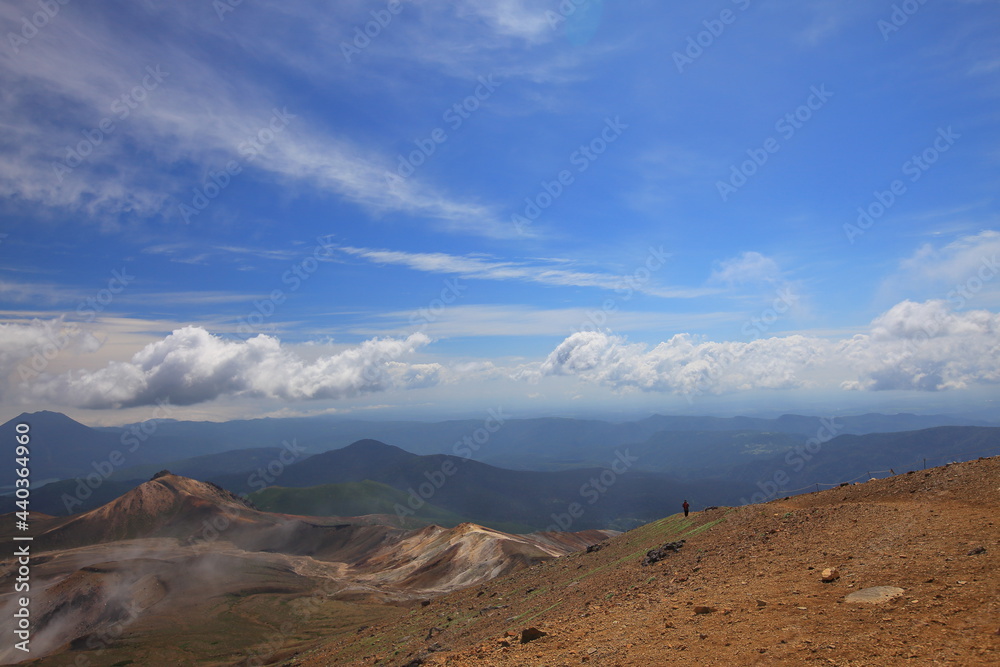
(179,572)
(745,588)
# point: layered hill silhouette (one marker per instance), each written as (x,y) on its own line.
(65,448)
(610,497)
(176,547)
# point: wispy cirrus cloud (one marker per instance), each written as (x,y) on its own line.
(194,115)
(483,268)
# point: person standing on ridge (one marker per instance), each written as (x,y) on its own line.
(686,507)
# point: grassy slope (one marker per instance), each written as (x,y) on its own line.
(351,499)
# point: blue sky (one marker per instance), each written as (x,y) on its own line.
(583,207)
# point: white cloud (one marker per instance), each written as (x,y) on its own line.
(475,320)
(749,267)
(197,114)
(683,365)
(28,348)
(914,346)
(524,19)
(925,346)
(192,366)
(481,268)
(957,261)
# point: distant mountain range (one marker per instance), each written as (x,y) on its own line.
(542,468)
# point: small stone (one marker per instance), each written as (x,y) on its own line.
(977,551)
(531,634)
(702,609)
(830,574)
(761,603)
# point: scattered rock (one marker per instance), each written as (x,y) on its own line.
(977,551)
(761,604)
(702,609)
(595,547)
(875,594)
(433,632)
(531,634)
(659,553)
(830,574)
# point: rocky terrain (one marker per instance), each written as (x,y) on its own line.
(178,572)
(773,584)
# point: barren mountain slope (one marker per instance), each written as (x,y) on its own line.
(755,573)
(181,572)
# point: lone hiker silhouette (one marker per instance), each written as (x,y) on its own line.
(686,507)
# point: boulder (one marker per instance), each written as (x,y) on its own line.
(531,634)
(875,594)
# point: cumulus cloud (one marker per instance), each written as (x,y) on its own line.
(914,346)
(192,366)
(685,365)
(925,346)
(27,348)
